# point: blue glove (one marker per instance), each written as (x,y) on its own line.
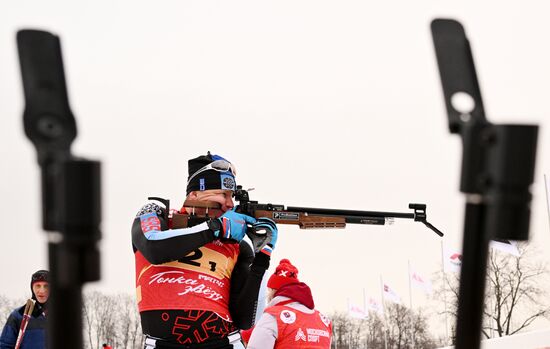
(264,235)
(232,225)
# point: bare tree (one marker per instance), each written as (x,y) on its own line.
(130,335)
(112,319)
(422,337)
(515,295)
(515,292)
(446,293)
(398,323)
(375,331)
(401,324)
(341,323)
(349,333)
(7,305)
(357,330)
(100,313)
(407,328)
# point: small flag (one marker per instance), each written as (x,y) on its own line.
(267,250)
(391,295)
(357,312)
(420,282)
(452,261)
(507,246)
(374,305)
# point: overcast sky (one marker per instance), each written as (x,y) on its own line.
(331,104)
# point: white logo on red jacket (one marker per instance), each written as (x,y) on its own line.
(288,317)
(191,285)
(313,334)
(168,277)
(202,289)
(325,319)
(300,335)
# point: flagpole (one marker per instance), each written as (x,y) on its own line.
(349,339)
(384,310)
(411,305)
(410,288)
(366,311)
(547,198)
(349,333)
(444,293)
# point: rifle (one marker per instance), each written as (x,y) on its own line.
(304,217)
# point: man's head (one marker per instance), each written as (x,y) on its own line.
(40,286)
(284,274)
(211,178)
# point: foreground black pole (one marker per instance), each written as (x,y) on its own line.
(71,188)
(497,172)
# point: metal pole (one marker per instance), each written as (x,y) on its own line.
(71,186)
(384,310)
(472,273)
(367,312)
(547,198)
(411,305)
(444,294)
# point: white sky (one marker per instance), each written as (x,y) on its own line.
(331,104)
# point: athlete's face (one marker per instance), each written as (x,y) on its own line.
(42,291)
(222,197)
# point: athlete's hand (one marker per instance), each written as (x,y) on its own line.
(231,225)
(264,235)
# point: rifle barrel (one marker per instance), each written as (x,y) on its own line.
(364,220)
(350,213)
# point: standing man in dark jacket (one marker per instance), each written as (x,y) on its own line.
(35,334)
(197,286)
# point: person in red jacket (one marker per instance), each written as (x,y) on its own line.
(290,320)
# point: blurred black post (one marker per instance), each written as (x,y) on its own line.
(497,172)
(71,188)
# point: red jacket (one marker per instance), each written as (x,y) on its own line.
(291,322)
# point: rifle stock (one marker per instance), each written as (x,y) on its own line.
(302,220)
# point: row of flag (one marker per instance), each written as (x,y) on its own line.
(372,304)
(389,294)
(452,260)
(452,263)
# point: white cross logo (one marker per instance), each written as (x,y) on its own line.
(300,335)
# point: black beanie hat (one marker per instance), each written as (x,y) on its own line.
(209,179)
